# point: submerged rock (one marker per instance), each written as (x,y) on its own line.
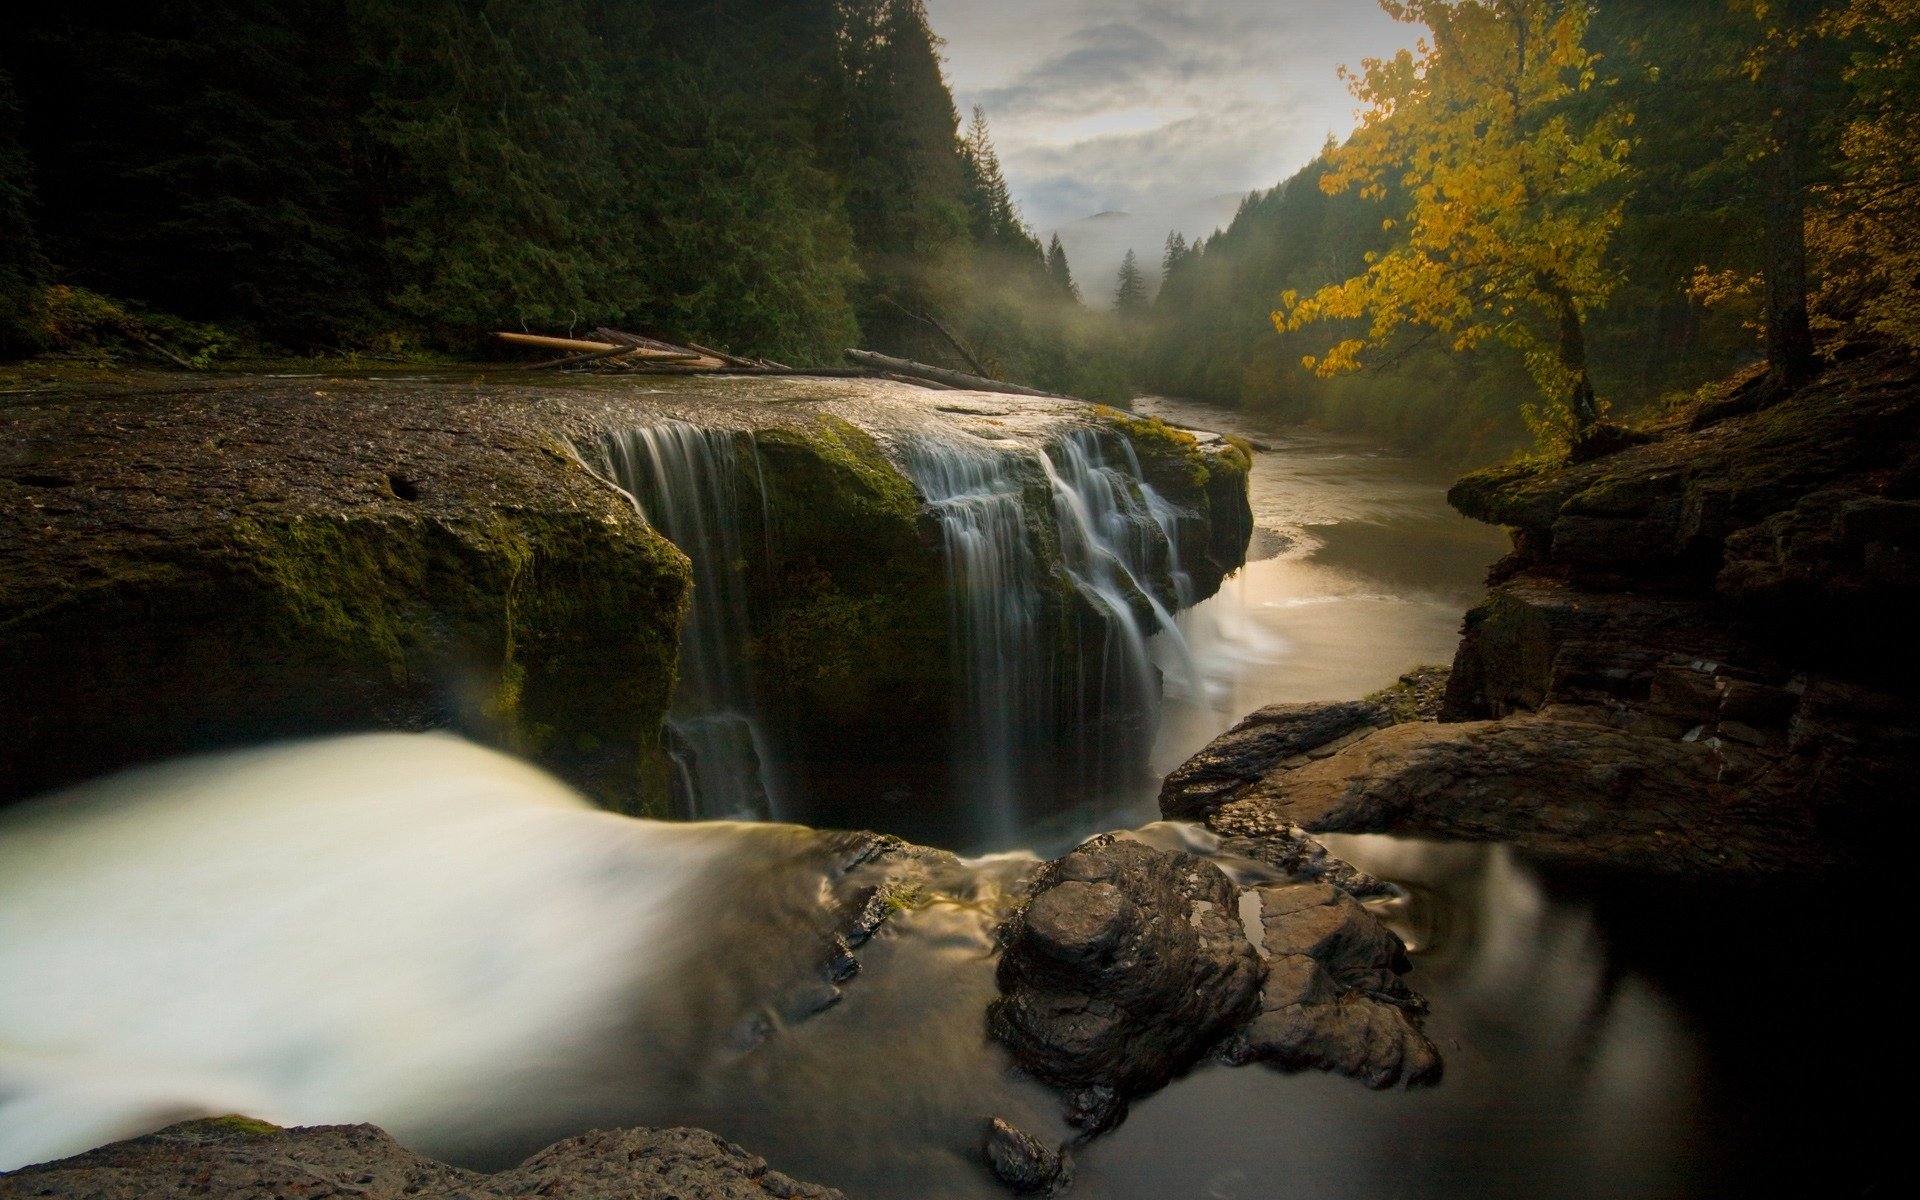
(232,1156)
(1128,965)
(1024,1163)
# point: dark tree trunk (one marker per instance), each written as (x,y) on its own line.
(1790,358)
(1573,357)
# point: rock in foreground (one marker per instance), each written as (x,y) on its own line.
(1128,966)
(1334,999)
(230,1156)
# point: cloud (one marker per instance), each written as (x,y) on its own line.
(1128,104)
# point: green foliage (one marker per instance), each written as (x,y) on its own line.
(396,175)
(1693,197)
(23,268)
(1130,289)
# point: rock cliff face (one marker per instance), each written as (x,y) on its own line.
(1698,658)
(194,562)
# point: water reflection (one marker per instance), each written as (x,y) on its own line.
(419,933)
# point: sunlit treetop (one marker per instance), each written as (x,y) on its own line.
(1497,134)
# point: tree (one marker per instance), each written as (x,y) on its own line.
(1058,271)
(1175,254)
(1861,230)
(992,218)
(1130,296)
(23,269)
(1512,194)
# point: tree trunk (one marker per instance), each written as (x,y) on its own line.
(1573,357)
(1790,359)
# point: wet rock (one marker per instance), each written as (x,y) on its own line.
(1024,1163)
(1334,999)
(231,1156)
(1127,966)
(1568,783)
(1263,742)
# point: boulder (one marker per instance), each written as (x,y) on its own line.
(1127,965)
(1025,1164)
(1333,998)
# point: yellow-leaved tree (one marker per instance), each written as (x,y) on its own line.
(1862,228)
(1497,132)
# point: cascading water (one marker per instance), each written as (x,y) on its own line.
(1058,696)
(1003,709)
(1117,541)
(685,482)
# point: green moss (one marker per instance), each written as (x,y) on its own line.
(1166,453)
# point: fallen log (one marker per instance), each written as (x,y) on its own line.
(572,360)
(886,363)
(660,348)
(577,345)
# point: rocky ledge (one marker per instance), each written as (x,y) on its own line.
(233,1156)
(1698,658)
(191,562)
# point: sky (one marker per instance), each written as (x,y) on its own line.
(1155,105)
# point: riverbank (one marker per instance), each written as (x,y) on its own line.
(1695,661)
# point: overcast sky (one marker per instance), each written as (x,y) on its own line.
(1155,104)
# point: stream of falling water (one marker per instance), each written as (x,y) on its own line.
(685,480)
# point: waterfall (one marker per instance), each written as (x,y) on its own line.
(685,481)
(1117,542)
(1059,697)
(1003,709)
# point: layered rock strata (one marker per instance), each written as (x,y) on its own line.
(1697,660)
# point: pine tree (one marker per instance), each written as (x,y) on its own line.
(22,266)
(1058,271)
(1176,253)
(1130,296)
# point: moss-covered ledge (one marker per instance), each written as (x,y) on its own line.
(182,570)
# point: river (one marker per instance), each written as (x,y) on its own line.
(432,937)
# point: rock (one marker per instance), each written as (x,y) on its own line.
(191,566)
(231,1156)
(1567,784)
(1262,742)
(1023,1163)
(1127,966)
(1334,999)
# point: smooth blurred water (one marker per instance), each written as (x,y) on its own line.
(415,932)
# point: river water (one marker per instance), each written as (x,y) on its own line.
(415,932)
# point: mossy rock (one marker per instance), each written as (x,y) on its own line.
(200,570)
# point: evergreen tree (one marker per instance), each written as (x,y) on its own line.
(1175,254)
(1130,296)
(1058,271)
(22,267)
